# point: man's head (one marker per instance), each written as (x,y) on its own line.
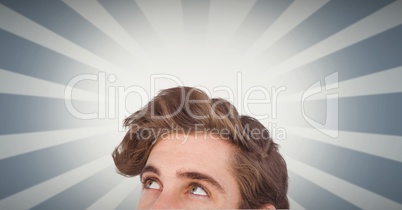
(193,151)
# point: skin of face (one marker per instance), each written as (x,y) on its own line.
(189,172)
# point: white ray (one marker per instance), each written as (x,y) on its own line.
(388,81)
(224,22)
(296,13)
(356,195)
(384,146)
(380,21)
(166,18)
(114,197)
(35,195)
(94,12)
(16,144)
(295,205)
(24,27)
(383,82)
(19,84)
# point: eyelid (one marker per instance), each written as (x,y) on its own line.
(146,176)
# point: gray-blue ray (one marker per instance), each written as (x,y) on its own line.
(132,18)
(195,18)
(22,114)
(22,56)
(376,54)
(60,18)
(130,202)
(373,173)
(372,114)
(26,170)
(311,196)
(331,18)
(86,192)
(260,17)
(379,114)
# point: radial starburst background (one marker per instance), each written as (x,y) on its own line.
(342,143)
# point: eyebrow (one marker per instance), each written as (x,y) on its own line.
(194,175)
(200,176)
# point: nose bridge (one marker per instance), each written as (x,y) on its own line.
(167,200)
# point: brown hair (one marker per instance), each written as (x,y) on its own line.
(257,165)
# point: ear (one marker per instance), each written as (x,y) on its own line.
(268,207)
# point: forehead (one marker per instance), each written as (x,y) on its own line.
(197,151)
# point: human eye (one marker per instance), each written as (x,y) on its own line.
(196,189)
(151,184)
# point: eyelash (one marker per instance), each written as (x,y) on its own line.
(195,184)
(146,179)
